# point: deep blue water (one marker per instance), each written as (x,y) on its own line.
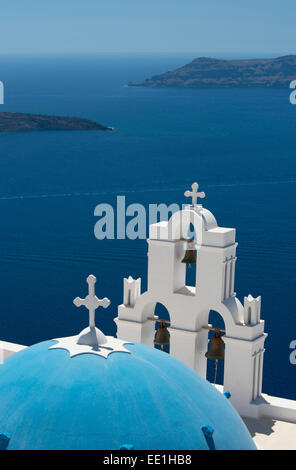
(239,144)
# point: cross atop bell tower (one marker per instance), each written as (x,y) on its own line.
(194,194)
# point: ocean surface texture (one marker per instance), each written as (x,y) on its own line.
(239,144)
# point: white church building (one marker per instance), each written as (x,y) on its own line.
(189,307)
(213,250)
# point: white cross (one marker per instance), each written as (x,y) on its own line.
(194,193)
(91,301)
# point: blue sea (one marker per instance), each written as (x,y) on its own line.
(239,144)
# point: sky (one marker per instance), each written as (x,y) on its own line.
(87,26)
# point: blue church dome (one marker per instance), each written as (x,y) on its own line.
(144,399)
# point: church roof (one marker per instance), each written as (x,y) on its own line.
(145,399)
(92,391)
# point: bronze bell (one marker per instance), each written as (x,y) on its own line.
(190,253)
(216,349)
(162,335)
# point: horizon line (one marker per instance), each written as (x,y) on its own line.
(200,54)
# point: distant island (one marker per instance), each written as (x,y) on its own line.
(205,72)
(18,122)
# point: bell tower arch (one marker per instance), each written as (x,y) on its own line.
(189,306)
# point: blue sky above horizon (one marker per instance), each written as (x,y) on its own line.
(197,26)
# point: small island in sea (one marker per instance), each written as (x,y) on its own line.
(205,72)
(18,122)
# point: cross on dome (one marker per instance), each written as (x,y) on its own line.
(91,340)
(194,194)
(91,301)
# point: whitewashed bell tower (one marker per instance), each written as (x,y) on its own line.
(189,306)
